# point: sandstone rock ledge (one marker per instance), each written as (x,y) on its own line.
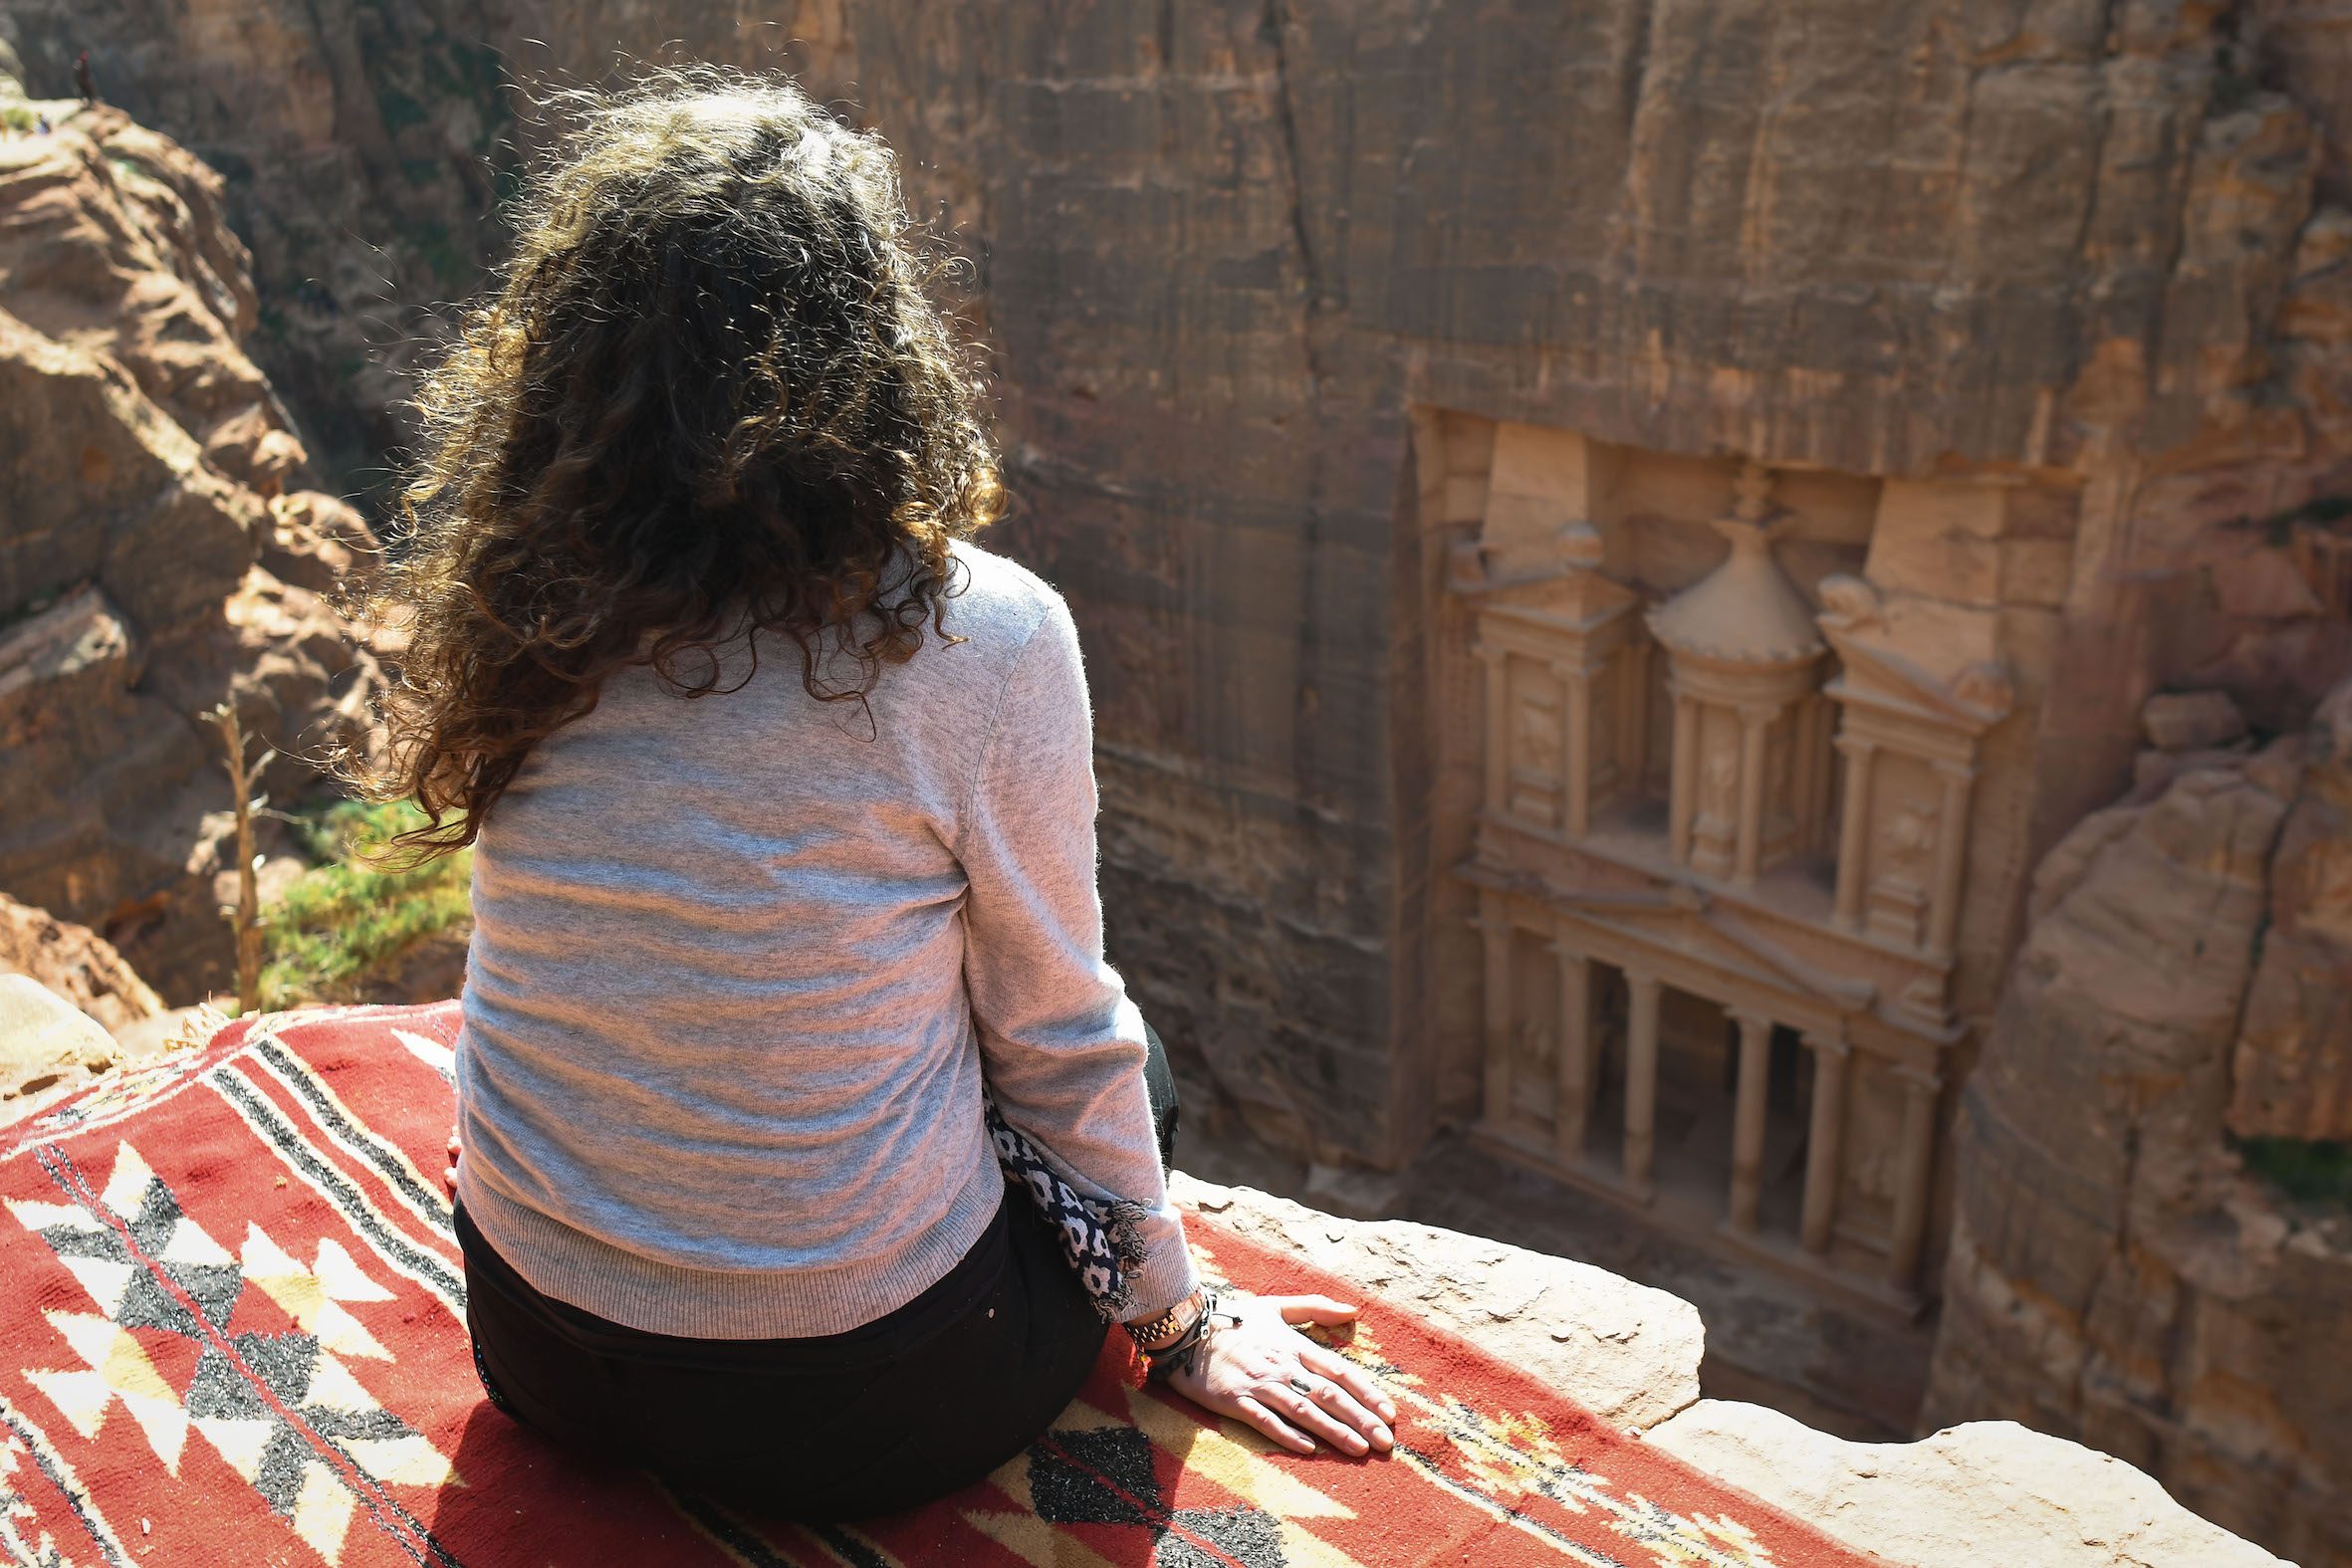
(76,963)
(1986,1492)
(1628,1353)
(1989,1491)
(72,1009)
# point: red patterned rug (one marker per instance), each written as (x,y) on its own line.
(233,1334)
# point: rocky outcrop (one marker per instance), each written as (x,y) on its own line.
(358,148)
(72,1010)
(1975,1495)
(2290,1073)
(144,473)
(76,963)
(1990,1491)
(47,1049)
(2116,1275)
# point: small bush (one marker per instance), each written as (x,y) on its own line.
(2312,1171)
(347,915)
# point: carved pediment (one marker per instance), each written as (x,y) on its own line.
(1685,918)
(1927,659)
(1565,590)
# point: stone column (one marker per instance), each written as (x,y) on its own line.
(1641,1079)
(1496,928)
(1826,1139)
(1748,1119)
(1574,1077)
(1686,776)
(1853,836)
(1575,689)
(1952,831)
(1498,666)
(1919,1090)
(1748,850)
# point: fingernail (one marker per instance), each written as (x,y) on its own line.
(1382,1435)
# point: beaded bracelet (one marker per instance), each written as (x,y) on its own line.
(1180,1353)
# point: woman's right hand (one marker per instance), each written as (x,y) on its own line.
(1263,1371)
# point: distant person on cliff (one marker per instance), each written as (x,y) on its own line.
(786,992)
(81,78)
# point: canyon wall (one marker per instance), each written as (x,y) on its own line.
(2117,1275)
(1227,255)
(1224,253)
(154,559)
(358,149)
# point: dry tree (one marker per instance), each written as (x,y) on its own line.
(243,916)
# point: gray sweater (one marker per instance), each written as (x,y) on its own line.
(741,965)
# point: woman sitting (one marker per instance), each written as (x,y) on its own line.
(786,942)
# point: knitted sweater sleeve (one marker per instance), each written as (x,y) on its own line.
(1061,1044)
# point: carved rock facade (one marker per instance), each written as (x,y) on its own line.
(1749,821)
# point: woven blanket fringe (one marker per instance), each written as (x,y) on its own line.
(199,1029)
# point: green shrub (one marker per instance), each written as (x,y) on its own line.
(348,914)
(2312,1171)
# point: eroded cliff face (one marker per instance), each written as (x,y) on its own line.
(1222,254)
(358,150)
(147,538)
(363,146)
(1227,253)
(2116,1275)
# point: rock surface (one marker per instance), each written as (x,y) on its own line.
(2192,721)
(2291,1074)
(1986,1492)
(47,1046)
(76,963)
(358,147)
(2115,1275)
(145,483)
(1630,1353)
(1990,1491)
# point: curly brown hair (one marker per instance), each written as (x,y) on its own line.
(709,396)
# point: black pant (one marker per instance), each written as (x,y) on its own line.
(888,1416)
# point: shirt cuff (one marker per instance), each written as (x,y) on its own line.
(1165,1276)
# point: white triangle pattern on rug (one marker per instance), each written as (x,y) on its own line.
(314,1497)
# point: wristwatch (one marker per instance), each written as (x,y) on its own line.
(1172,1324)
